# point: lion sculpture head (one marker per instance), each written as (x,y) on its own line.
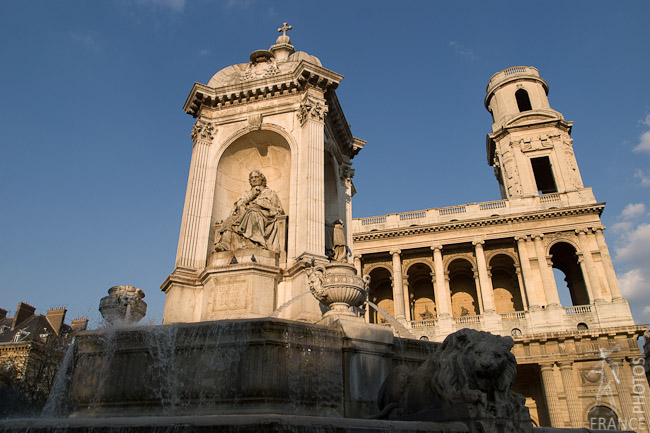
(474,366)
(468,377)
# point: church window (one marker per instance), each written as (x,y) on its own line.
(543,175)
(523,101)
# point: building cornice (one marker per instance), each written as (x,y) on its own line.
(479,222)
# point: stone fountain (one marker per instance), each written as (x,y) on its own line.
(264,224)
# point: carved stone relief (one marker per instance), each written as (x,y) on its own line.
(203,129)
(310,108)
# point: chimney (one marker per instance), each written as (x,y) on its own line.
(23,312)
(55,316)
(79,324)
(3,314)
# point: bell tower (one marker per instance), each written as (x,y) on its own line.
(530,146)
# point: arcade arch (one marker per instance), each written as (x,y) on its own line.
(505,284)
(422,303)
(381,294)
(566,268)
(464,299)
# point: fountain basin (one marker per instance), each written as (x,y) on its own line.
(240,366)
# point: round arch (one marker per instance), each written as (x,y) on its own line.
(380,293)
(505,284)
(564,260)
(257,149)
(601,416)
(422,302)
(464,298)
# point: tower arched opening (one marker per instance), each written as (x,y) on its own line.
(505,284)
(603,418)
(464,299)
(421,297)
(523,100)
(381,294)
(568,274)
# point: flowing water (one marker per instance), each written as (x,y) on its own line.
(401,330)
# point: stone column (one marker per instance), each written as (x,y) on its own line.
(357,265)
(529,283)
(522,292)
(311,216)
(624,386)
(398,290)
(552,401)
(568,379)
(583,269)
(592,276)
(407,298)
(607,263)
(479,294)
(484,279)
(202,135)
(550,289)
(443,297)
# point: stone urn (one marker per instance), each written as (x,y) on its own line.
(338,287)
(123,305)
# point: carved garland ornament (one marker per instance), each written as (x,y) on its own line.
(311,108)
(203,129)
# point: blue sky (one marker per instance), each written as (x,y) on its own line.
(96,147)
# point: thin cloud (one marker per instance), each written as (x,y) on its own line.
(644,179)
(461,51)
(644,143)
(172,5)
(632,211)
(84,39)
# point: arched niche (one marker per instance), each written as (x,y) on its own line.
(464,299)
(421,296)
(381,294)
(505,284)
(566,269)
(262,150)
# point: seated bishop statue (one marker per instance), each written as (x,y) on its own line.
(253,222)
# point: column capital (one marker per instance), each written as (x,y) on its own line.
(395,252)
(582,231)
(546,366)
(536,236)
(357,256)
(564,365)
(436,247)
(597,229)
(478,242)
(521,238)
(203,130)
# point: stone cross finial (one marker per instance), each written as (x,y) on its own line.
(284,29)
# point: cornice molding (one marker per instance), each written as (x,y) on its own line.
(481,222)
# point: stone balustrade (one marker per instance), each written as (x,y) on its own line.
(470,211)
(517,323)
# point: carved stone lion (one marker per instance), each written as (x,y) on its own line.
(467,378)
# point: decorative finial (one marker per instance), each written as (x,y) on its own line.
(284,29)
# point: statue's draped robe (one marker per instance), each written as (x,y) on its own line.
(253,222)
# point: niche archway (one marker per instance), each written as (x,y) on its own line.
(565,259)
(262,150)
(505,284)
(381,294)
(464,299)
(422,301)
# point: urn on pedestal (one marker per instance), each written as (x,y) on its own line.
(337,286)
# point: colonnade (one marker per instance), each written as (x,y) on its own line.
(533,267)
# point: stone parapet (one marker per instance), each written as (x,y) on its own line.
(577,201)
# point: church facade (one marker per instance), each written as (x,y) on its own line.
(490,266)
(269,201)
